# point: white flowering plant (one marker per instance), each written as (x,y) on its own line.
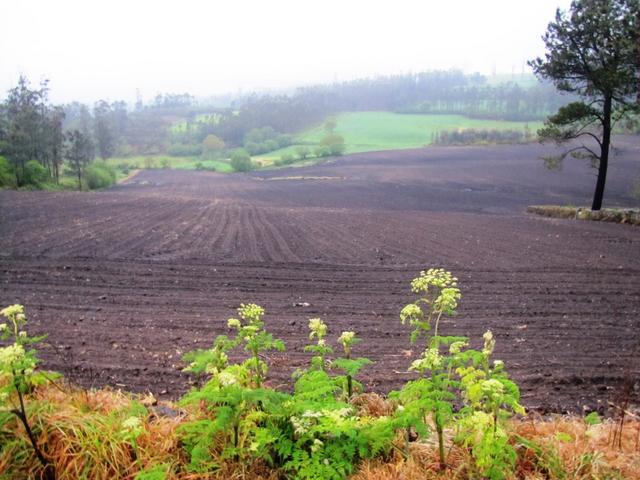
(428,402)
(490,397)
(234,405)
(350,366)
(318,331)
(19,374)
(256,339)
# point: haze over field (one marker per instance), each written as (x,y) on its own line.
(92,50)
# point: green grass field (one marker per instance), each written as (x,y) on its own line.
(158,161)
(371,131)
(362,131)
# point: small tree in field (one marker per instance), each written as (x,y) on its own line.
(79,153)
(212,145)
(592,51)
(241,161)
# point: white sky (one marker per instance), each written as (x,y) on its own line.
(106,49)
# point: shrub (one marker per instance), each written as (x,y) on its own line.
(99,175)
(471,136)
(241,161)
(286,159)
(322,151)
(334,143)
(149,162)
(270,146)
(7,176)
(34,174)
(283,140)
(302,151)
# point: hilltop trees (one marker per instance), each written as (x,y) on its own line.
(79,152)
(103,128)
(592,51)
(30,129)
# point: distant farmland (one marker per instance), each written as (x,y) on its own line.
(374,131)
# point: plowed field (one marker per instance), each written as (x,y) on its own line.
(127,279)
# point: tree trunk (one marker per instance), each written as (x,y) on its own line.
(604,154)
(79,178)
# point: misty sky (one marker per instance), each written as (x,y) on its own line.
(108,49)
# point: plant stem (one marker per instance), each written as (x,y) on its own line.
(236,435)
(407,439)
(258,370)
(440,430)
(49,472)
(349,386)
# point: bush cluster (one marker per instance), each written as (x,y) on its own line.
(472,136)
(263,140)
(99,175)
(241,161)
(7,176)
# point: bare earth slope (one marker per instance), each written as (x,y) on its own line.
(127,279)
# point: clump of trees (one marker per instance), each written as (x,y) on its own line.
(474,136)
(332,144)
(39,143)
(30,131)
(265,139)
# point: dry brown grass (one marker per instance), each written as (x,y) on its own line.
(81,433)
(588,455)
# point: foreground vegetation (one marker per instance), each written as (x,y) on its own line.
(455,419)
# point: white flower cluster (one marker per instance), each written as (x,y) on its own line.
(492,387)
(411,312)
(13,311)
(347,339)
(436,277)
(447,301)
(489,343)
(302,423)
(318,329)
(227,379)
(431,360)
(11,355)
(250,311)
(234,323)
(456,347)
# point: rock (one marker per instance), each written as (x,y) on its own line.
(164,411)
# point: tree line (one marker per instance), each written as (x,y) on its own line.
(33,129)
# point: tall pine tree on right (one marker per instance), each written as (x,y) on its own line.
(592,52)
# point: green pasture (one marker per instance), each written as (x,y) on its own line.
(362,131)
(372,131)
(166,161)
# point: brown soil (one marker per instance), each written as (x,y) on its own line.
(127,279)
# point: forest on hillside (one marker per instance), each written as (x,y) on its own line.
(37,138)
